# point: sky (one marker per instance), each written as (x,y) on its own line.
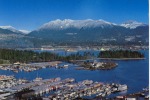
(31,14)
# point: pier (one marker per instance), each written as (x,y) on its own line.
(62,89)
(16,67)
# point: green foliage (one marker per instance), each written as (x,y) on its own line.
(25,56)
(120,54)
(4,61)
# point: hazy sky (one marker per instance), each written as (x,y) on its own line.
(31,14)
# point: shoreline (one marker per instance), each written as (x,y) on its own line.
(121,58)
(94,66)
(88,59)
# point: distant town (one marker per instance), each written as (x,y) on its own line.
(76,48)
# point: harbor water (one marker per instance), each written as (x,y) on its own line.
(133,73)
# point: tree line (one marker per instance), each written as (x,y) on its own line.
(25,56)
(120,54)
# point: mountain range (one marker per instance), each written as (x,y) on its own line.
(76,32)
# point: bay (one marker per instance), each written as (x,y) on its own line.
(134,73)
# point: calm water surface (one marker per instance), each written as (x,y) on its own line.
(134,73)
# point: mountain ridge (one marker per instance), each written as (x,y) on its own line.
(78,24)
(77,32)
(83,32)
(66,23)
(11,28)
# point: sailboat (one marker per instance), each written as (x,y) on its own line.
(37,79)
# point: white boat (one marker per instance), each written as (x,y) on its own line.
(122,87)
(1,90)
(37,79)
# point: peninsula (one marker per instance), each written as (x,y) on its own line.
(121,55)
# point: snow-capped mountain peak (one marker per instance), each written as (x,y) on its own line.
(132,24)
(106,22)
(11,28)
(66,23)
(8,27)
(25,31)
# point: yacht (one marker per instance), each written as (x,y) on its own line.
(37,79)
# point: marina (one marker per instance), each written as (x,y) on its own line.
(86,88)
(16,67)
(123,74)
(9,81)
(64,89)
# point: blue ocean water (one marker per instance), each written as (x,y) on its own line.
(134,73)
